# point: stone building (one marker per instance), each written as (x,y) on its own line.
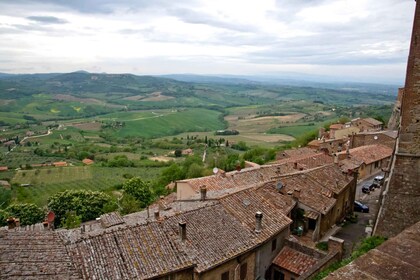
(401,196)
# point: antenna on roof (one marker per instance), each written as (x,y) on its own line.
(215,170)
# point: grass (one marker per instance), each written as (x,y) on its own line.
(52,180)
(170,124)
(365,246)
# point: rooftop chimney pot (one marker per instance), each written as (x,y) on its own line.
(157,215)
(203,192)
(258,220)
(183,230)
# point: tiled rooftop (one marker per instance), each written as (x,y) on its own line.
(369,153)
(372,121)
(244,204)
(136,252)
(398,258)
(312,193)
(294,261)
(308,161)
(239,179)
(34,254)
(331,177)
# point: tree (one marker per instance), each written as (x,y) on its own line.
(87,204)
(139,190)
(28,213)
(71,220)
(178,153)
(195,170)
(128,204)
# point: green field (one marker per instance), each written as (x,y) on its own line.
(52,180)
(169,123)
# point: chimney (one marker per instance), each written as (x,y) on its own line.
(183,230)
(336,245)
(161,203)
(258,220)
(295,165)
(203,192)
(336,159)
(157,216)
(83,229)
(348,149)
(11,223)
(337,182)
(296,194)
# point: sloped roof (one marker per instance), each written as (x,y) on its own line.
(331,177)
(213,236)
(87,161)
(336,126)
(395,259)
(370,153)
(294,153)
(137,252)
(294,261)
(34,255)
(239,179)
(312,193)
(308,161)
(372,121)
(244,204)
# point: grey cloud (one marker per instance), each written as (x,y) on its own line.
(47,19)
(194,17)
(105,6)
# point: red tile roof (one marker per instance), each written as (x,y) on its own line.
(331,177)
(336,126)
(312,193)
(294,261)
(87,161)
(372,121)
(370,153)
(4,168)
(242,179)
(308,161)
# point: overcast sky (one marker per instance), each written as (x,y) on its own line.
(359,40)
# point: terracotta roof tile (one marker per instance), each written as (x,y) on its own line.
(396,258)
(213,235)
(244,205)
(34,254)
(312,193)
(369,153)
(240,179)
(331,177)
(137,252)
(294,261)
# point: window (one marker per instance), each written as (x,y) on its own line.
(278,275)
(225,275)
(376,164)
(243,271)
(273,245)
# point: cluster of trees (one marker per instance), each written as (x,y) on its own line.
(72,207)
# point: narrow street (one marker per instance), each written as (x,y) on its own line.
(353,233)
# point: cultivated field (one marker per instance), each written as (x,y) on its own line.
(55,179)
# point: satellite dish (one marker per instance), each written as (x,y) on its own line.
(375,137)
(50,217)
(215,170)
(279,186)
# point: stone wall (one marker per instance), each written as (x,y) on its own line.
(401,197)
